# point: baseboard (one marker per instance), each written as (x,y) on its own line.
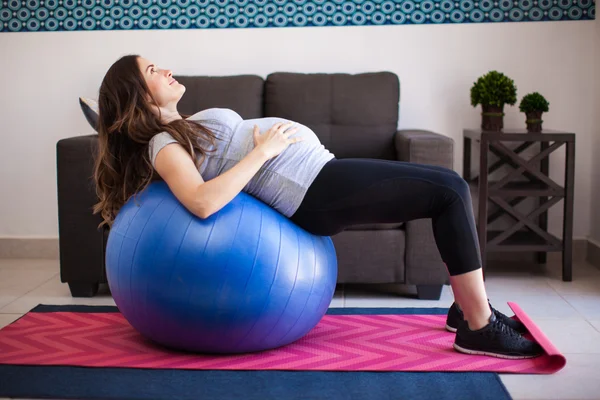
(580,249)
(584,250)
(45,248)
(593,253)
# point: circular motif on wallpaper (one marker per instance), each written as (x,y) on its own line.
(337,19)
(88,23)
(388,7)
(261,21)
(328,8)
(221,21)
(33,25)
(368,7)
(60,14)
(516,15)
(280,20)
(427,6)
(486,5)
(545,4)
(32,4)
(496,15)
(447,6)
(457,16)
(117,13)
(467,6)
(349,8)
(555,13)
(69,4)
(49,4)
(418,17)
(15,5)
(87,4)
(378,18)
(437,17)
(575,13)
(14,25)
(51,24)
(536,14)
(477,16)
(183,22)
(23,14)
(251,11)
(70,24)
(193,12)
(398,18)
(319,19)
(300,20)
(126,23)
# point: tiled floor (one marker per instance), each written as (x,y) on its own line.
(567,312)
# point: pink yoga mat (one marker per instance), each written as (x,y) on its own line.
(337,343)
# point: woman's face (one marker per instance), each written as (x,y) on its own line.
(165,89)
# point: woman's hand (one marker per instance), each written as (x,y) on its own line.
(275,140)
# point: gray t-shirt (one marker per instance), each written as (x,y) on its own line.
(282,181)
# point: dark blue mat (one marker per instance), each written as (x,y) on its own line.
(59,382)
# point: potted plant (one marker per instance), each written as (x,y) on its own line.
(533,105)
(493,90)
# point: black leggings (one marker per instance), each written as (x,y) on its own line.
(354,191)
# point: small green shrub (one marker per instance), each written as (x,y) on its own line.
(533,102)
(494,89)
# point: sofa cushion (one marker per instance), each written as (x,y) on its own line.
(241,93)
(353,115)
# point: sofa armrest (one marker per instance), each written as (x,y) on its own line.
(424,265)
(424,147)
(81,242)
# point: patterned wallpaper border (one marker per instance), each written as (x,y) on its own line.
(81,15)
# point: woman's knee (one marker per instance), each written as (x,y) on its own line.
(461,187)
(456,185)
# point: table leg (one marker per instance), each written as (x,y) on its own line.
(467,159)
(483,201)
(568,213)
(543,218)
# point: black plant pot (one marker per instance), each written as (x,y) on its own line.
(492,118)
(534,121)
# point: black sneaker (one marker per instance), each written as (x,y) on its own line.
(496,339)
(455,317)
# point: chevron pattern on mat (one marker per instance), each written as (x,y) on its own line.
(337,343)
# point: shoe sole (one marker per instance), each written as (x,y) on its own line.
(453,330)
(485,353)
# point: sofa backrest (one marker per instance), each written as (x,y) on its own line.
(241,93)
(354,115)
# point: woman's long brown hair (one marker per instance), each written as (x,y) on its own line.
(126,124)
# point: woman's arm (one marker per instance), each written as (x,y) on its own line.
(204,198)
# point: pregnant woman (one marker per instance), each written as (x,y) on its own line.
(208,158)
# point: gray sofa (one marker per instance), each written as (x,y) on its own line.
(353,115)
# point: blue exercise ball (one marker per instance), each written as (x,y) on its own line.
(245,279)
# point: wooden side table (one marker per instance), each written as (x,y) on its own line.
(512,189)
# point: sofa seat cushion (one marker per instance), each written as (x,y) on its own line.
(370,256)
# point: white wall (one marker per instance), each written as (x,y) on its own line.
(44,73)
